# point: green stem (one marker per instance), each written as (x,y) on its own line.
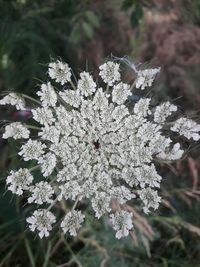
(34,168)
(107,88)
(132,86)
(31,98)
(52,204)
(73,86)
(32,127)
(75,204)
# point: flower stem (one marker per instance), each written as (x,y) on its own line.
(73,86)
(34,168)
(75,204)
(32,127)
(107,89)
(32,99)
(132,86)
(52,204)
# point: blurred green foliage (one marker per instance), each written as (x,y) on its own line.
(33,31)
(136,7)
(84,23)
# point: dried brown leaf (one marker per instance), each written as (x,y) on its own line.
(167,204)
(194,172)
(192,228)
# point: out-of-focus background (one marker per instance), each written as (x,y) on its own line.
(162,33)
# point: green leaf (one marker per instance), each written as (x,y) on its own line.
(29,251)
(87,30)
(46,260)
(136,15)
(127,4)
(92,18)
(75,35)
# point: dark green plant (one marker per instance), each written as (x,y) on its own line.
(136,7)
(34,31)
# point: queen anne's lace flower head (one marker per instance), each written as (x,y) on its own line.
(70,190)
(150,199)
(109,72)
(175,153)
(95,145)
(71,97)
(13,99)
(101,204)
(72,222)
(86,85)
(187,128)
(141,108)
(50,133)
(60,72)
(120,93)
(43,115)
(16,130)
(146,77)
(42,221)
(48,163)
(41,192)
(33,149)
(122,223)
(18,181)
(163,111)
(47,95)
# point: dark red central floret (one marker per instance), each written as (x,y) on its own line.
(96,144)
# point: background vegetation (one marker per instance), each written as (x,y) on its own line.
(162,33)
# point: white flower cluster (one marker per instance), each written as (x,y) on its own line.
(86,85)
(187,128)
(32,149)
(16,130)
(109,72)
(60,72)
(13,99)
(18,181)
(47,95)
(42,192)
(150,199)
(93,145)
(122,223)
(42,221)
(163,111)
(146,77)
(72,222)
(120,93)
